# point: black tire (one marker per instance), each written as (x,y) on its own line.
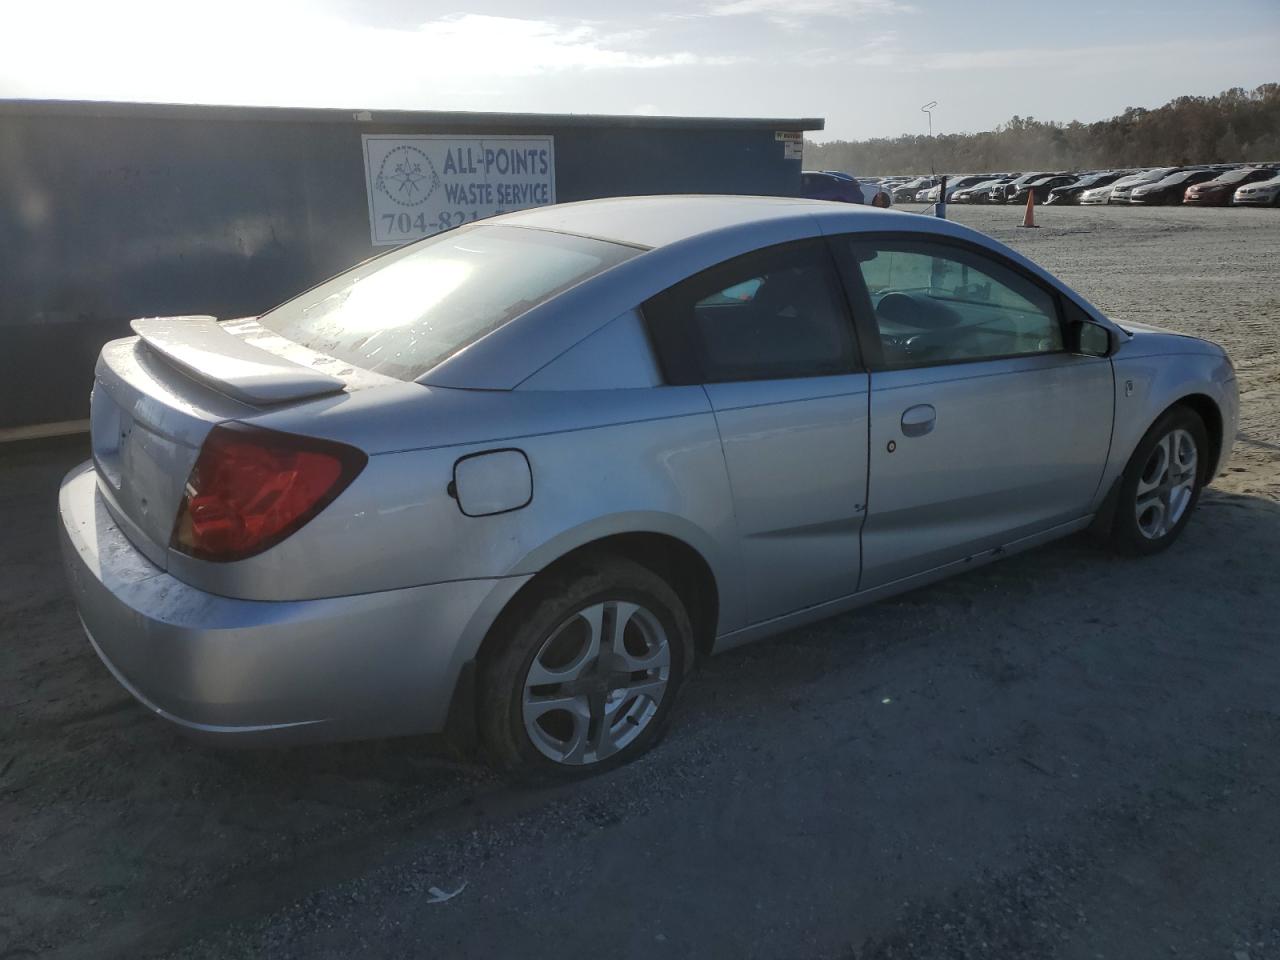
(1127,536)
(531,621)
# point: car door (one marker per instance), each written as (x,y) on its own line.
(984,429)
(772,341)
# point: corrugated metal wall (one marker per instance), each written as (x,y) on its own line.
(114,211)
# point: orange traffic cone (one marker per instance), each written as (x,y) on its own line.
(1029,218)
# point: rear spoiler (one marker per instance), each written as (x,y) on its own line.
(204,351)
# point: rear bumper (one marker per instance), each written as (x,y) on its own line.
(250,671)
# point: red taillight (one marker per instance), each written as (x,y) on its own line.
(250,488)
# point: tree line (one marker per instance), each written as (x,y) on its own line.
(1236,125)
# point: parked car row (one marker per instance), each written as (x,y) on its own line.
(1216,185)
(1197,184)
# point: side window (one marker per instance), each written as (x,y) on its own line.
(772,314)
(935,303)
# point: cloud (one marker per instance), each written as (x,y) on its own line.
(801,9)
(509,45)
(798,16)
(882,50)
(1016,57)
(287,52)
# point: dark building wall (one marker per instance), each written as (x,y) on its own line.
(115,211)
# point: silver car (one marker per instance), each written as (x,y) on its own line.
(512,481)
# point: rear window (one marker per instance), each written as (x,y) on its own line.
(403,313)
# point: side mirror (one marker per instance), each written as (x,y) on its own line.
(1091,339)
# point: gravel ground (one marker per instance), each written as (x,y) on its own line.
(1069,755)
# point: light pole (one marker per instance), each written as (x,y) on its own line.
(941,209)
(927,110)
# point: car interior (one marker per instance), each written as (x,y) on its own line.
(932,305)
(787,322)
(935,309)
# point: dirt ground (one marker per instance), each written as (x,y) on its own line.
(1067,755)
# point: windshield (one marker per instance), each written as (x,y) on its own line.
(404,313)
(1235,176)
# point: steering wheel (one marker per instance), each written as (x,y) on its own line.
(912,311)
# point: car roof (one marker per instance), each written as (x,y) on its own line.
(662,220)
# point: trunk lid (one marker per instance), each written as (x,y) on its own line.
(156,397)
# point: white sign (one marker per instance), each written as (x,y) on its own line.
(792,143)
(420,185)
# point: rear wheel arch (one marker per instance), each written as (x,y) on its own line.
(679,564)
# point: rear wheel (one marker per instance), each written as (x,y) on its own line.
(1161,484)
(587,669)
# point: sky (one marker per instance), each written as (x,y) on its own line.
(866,66)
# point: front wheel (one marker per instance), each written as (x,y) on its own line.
(585,671)
(1161,484)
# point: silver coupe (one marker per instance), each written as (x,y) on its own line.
(510,482)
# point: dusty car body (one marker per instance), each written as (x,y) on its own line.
(1262,193)
(980,192)
(294,530)
(1123,188)
(906,192)
(1171,189)
(1002,192)
(1070,193)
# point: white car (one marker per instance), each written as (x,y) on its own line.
(1096,195)
(1263,193)
(957,182)
(1103,194)
(982,188)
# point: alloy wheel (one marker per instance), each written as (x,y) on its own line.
(1166,485)
(596,682)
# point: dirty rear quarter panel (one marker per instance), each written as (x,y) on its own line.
(603,462)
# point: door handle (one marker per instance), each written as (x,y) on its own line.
(918,420)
